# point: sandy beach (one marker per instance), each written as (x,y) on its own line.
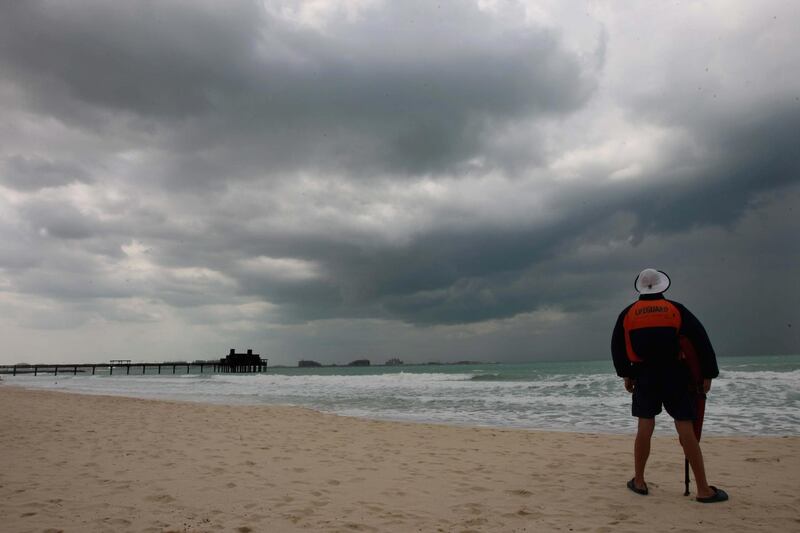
(96,463)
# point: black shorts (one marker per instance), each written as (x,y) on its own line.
(664,385)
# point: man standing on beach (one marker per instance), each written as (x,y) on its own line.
(647,355)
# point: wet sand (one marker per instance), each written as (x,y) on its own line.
(96,463)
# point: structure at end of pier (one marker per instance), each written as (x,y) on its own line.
(242,362)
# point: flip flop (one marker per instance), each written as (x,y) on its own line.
(637,490)
(719,496)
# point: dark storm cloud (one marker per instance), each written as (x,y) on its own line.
(31,173)
(402,88)
(466,275)
(222,164)
(59,220)
(749,152)
(461,274)
(157,59)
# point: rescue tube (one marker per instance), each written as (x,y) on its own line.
(689,357)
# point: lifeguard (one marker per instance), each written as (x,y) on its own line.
(646,348)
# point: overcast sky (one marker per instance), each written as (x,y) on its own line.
(429,180)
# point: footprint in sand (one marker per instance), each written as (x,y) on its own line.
(160,498)
(359,527)
(117,521)
(528,513)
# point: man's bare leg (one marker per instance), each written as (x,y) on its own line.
(691,448)
(641,450)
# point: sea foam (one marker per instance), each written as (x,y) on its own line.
(747,399)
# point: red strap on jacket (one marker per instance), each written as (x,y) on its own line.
(649,314)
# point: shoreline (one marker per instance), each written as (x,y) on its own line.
(664,428)
(77,462)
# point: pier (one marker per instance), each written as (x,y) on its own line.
(240,363)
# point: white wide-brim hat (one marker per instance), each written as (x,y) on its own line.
(651,281)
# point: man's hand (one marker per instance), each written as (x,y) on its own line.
(629,384)
(706,386)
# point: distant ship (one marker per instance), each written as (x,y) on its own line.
(394,361)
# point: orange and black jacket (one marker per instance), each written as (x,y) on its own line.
(647,332)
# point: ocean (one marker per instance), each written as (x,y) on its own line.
(752,396)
